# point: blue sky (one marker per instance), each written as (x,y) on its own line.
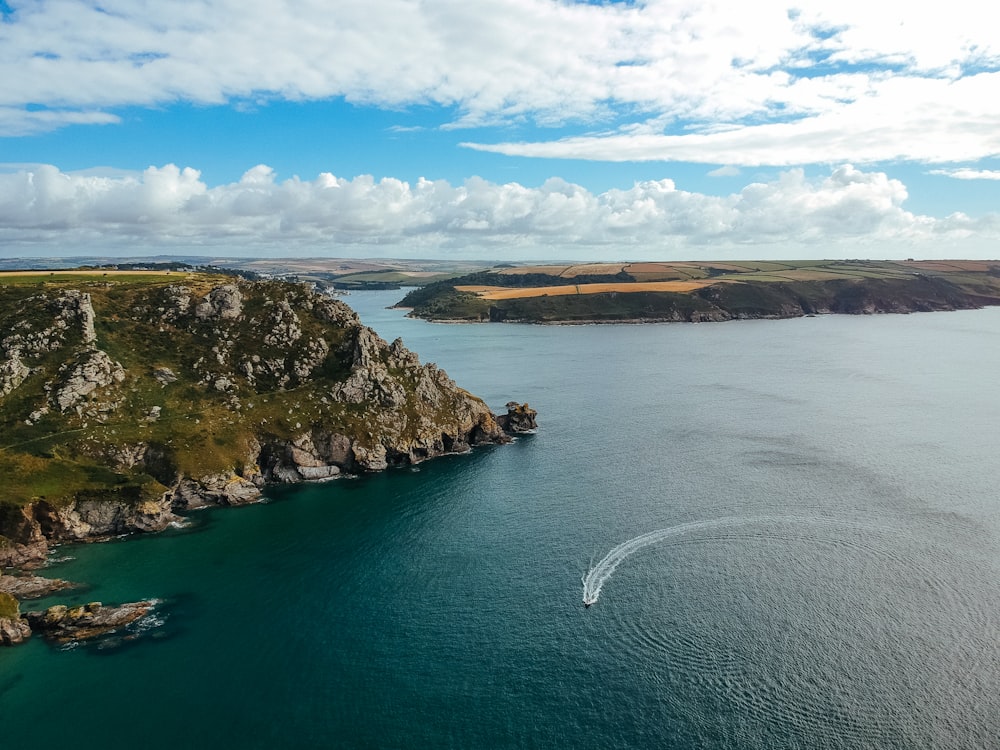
(514,129)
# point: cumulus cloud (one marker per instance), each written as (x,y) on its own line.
(15,121)
(701,81)
(847,213)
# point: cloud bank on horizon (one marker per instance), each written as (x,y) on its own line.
(850,212)
(792,87)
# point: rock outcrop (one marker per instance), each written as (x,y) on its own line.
(63,624)
(27,586)
(12,372)
(14,629)
(93,369)
(519,418)
(222,303)
(216,388)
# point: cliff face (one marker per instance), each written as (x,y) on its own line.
(124,402)
(702,292)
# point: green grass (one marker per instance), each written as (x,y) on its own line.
(63,455)
(61,278)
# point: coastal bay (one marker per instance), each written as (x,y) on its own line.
(441,604)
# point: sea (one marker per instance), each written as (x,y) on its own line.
(788,532)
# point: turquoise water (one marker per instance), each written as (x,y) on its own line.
(827,573)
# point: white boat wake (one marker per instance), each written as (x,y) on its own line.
(598,574)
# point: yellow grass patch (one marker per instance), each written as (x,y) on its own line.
(496,293)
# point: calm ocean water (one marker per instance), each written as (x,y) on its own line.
(825,576)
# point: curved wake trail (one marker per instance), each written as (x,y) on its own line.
(598,575)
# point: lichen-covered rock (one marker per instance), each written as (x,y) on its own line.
(78,305)
(222,303)
(12,372)
(176,303)
(104,516)
(519,418)
(125,456)
(27,586)
(23,541)
(286,327)
(333,311)
(94,369)
(13,628)
(215,489)
(164,376)
(64,624)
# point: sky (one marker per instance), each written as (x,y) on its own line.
(507,130)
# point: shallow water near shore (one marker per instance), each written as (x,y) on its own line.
(826,575)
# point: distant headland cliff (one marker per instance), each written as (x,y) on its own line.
(126,398)
(704,291)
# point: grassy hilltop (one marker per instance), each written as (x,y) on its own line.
(126,396)
(61,452)
(693,291)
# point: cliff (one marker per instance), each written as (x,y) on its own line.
(124,400)
(695,292)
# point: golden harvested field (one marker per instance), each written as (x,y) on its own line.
(497,293)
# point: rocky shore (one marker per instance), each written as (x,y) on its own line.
(63,624)
(126,405)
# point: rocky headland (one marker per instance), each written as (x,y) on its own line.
(126,402)
(706,292)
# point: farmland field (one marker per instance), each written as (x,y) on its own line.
(707,290)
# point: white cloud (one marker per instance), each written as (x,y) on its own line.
(17,121)
(852,80)
(725,171)
(969,174)
(929,121)
(849,213)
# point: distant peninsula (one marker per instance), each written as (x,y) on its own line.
(127,397)
(706,291)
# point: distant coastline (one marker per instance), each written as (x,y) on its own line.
(705,291)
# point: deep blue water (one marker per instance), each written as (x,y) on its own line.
(831,580)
